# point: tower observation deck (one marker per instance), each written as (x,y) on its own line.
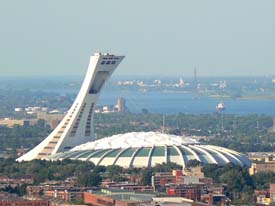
(77,126)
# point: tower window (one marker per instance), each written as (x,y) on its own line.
(103,62)
(113,62)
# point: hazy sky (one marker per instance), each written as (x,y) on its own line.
(158,37)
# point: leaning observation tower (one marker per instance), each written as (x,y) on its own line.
(77,126)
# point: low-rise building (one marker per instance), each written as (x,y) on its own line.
(265,197)
(69,195)
(117,197)
(189,191)
(21,122)
(215,199)
(7,199)
(66,193)
(128,186)
(193,171)
(160,179)
(52,119)
(19,180)
(122,198)
(272,192)
(188,176)
(262,167)
(262,197)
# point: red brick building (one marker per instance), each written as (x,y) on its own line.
(9,199)
(192,191)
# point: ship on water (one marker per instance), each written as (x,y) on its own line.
(220,106)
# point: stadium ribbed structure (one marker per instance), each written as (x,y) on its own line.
(147,149)
(74,138)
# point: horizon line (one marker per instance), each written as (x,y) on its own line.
(136,75)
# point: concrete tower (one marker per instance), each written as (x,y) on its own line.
(77,126)
(121,107)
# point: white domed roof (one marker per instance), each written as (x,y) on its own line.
(136,139)
(147,149)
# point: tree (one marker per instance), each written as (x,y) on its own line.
(114,173)
(99,169)
(239,184)
(263,179)
(146,176)
(89,179)
(237,180)
(193,163)
(166,167)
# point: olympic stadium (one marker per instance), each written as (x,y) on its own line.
(74,137)
(147,149)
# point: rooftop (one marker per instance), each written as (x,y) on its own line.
(137,139)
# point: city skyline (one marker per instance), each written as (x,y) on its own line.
(218,38)
(187,119)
